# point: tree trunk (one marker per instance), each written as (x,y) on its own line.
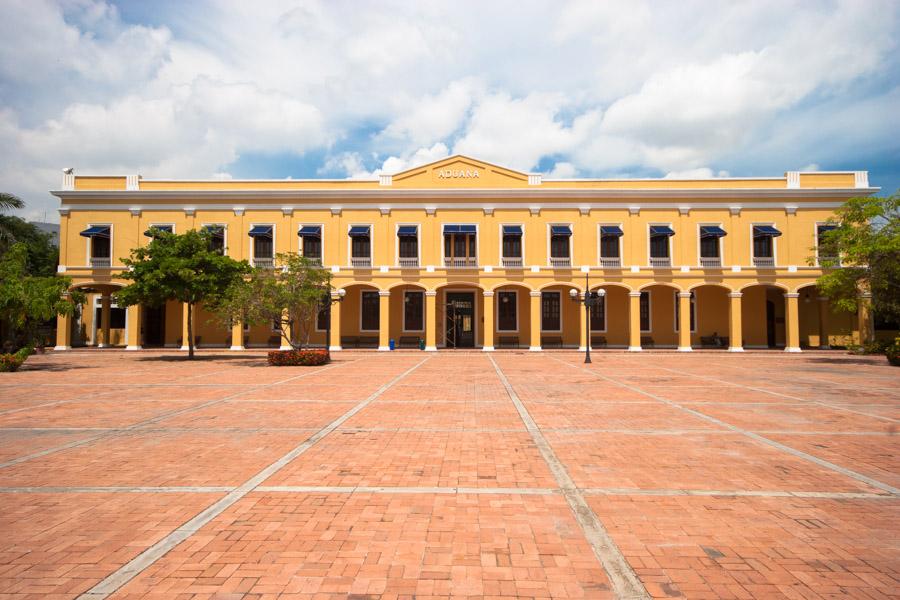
(190,330)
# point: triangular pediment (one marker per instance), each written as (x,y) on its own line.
(460,171)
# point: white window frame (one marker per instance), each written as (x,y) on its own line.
(571,227)
(605,313)
(774,243)
(477,242)
(152,225)
(497,310)
(719,240)
(405,293)
(649,310)
(397,227)
(500,244)
(816,238)
(224,227)
(252,251)
(88,241)
(693,310)
(376,292)
(561,311)
(620,238)
(321,238)
(669,240)
(371,227)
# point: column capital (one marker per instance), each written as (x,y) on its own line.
(791,295)
(685,294)
(431,293)
(384,293)
(488,294)
(535,294)
(866,295)
(735,294)
(634,294)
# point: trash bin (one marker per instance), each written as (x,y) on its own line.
(421,344)
(391,344)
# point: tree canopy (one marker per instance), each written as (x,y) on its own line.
(862,254)
(182,267)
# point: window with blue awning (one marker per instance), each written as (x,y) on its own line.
(711,231)
(96,231)
(765,231)
(359,231)
(611,230)
(310,231)
(459,229)
(560,230)
(261,231)
(407,231)
(512,230)
(661,230)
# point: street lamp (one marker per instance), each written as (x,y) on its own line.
(589,301)
(329,300)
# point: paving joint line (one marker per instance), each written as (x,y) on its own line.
(754,436)
(622,578)
(148,557)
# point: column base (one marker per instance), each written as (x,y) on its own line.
(285,348)
(582,349)
(335,348)
(133,347)
(792,349)
(534,348)
(736,349)
(685,349)
(384,348)
(825,347)
(487,348)
(634,348)
(104,346)
(60,348)
(236,348)
(430,348)
(184,348)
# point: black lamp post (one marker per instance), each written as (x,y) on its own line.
(589,301)
(329,301)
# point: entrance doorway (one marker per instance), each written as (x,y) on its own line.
(770,323)
(460,321)
(154,325)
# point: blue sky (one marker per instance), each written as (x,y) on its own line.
(288,88)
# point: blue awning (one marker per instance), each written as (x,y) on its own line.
(459,229)
(611,230)
(261,231)
(512,230)
(310,231)
(826,228)
(214,229)
(407,231)
(661,230)
(560,230)
(359,231)
(765,231)
(711,231)
(99,231)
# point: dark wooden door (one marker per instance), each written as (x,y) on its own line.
(154,325)
(770,323)
(460,312)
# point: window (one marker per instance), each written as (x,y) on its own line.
(369,307)
(659,241)
(156,228)
(116,317)
(550,311)
(764,245)
(311,241)
(598,312)
(460,245)
(507,311)
(560,236)
(99,239)
(323,319)
(693,301)
(216,237)
(826,249)
(413,311)
(263,244)
(609,241)
(645,311)
(360,246)
(512,241)
(408,245)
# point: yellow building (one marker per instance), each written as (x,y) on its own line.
(462,253)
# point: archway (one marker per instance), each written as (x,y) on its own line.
(821,325)
(512,316)
(561,318)
(459,315)
(360,316)
(609,318)
(658,304)
(763,316)
(408,320)
(86,327)
(710,308)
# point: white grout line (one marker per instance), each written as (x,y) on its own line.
(735,493)
(148,557)
(755,436)
(157,418)
(624,580)
(188,489)
(312,489)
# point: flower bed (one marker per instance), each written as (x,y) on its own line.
(12,362)
(298,358)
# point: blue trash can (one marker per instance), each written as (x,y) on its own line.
(391,344)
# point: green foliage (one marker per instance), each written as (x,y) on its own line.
(8,201)
(892,352)
(42,255)
(12,362)
(27,300)
(867,242)
(298,358)
(297,284)
(182,268)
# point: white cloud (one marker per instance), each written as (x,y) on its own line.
(699,173)
(563,170)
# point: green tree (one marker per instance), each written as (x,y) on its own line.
(863,253)
(8,201)
(27,300)
(181,267)
(42,256)
(297,285)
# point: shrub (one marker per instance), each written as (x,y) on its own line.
(12,362)
(298,358)
(873,347)
(893,352)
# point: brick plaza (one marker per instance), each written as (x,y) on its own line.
(512,474)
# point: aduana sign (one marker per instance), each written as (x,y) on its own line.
(458,174)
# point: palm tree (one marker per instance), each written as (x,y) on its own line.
(8,201)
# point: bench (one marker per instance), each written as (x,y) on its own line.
(274,341)
(551,342)
(349,342)
(408,341)
(598,341)
(647,342)
(507,341)
(368,341)
(713,341)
